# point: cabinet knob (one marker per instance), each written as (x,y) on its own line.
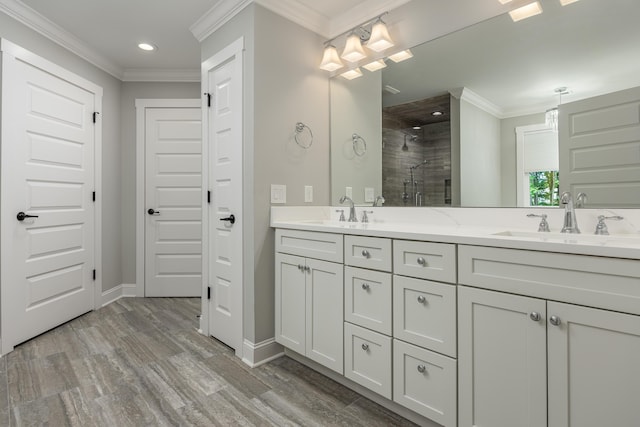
(535,316)
(422,299)
(300,267)
(421,369)
(365,253)
(307,269)
(365,347)
(366,286)
(422,261)
(554,320)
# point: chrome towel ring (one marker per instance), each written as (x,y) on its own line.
(359,145)
(303,139)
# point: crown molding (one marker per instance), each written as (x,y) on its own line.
(299,13)
(216,17)
(160,75)
(473,98)
(360,13)
(32,19)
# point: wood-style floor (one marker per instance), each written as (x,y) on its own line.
(140,362)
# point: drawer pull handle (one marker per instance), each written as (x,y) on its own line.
(366,286)
(365,253)
(554,320)
(422,299)
(365,347)
(422,261)
(422,369)
(535,316)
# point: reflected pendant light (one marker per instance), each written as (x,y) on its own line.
(353,51)
(375,65)
(551,119)
(352,74)
(380,38)
(526,11)
(401,56)
(330,60)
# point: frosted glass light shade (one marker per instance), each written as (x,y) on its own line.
(401,56)
(380,38)
(551,119)
(353,51)
(352,74)
(330,59)
(526,11)
(375,65)
(566,2)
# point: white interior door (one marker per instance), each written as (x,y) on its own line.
(224,117)
(173,202)
(48,148)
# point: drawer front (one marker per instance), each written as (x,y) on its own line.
(425,260)
(368,252)
(367,359)
(424,314)
(425,382)
(324,246)
(367,299)
(608,283)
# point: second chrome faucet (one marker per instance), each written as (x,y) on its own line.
(352,208)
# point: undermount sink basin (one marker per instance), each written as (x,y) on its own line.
(626,239)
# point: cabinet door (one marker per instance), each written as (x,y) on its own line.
(368,359)
(325,314)
(367,299)
(290,302)
(594,367)
(502,359)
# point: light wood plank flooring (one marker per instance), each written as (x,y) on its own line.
(140,362)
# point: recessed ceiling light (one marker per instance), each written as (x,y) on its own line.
(146,46)
(437,113)
(417,128)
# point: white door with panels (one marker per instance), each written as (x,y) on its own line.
(222,80)
(49,145)
(173,202)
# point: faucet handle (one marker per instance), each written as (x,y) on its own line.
(581,199)
(365,218)
(544,225)
(601,227)
(342,219)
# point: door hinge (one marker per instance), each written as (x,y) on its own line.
(208,196)
(208,99)
(94,196)
(95,115)
(208,292)
(94,274)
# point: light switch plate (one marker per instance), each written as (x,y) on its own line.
(278,193)
(308,193)
(348,191)
(368,194)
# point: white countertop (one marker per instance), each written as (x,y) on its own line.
(505,232)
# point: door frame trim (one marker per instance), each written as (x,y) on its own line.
(141,109)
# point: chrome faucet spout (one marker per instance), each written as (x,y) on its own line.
(379,201)
(352,208)
(570,224)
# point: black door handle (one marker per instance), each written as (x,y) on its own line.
(21,216)
(231,218)
(153,212)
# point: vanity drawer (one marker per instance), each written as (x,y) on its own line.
(367,359)
(368,252)
(425,260)
(367,299)
(324,246)
(424,314)
(425,382)
(609,283)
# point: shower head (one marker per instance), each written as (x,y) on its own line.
(413,138)
(424,162)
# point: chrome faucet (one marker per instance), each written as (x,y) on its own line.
(379,201)
(570,224)
(352,208)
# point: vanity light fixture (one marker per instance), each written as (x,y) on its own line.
(551,115)
(526,11)
(566,2)
(330,60)
(146,47)
(401,56)
(353,51)
(352,74)
(375,65)
(380,39)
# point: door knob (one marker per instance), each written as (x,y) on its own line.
(153,212)
(21,216)
(231,218)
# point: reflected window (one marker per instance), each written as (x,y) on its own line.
(544,188)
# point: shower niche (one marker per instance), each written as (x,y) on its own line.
(416,153)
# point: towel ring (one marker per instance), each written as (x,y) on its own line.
(359,145)
(300,127)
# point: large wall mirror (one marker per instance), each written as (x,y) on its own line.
(443,128)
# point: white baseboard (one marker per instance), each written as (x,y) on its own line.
(257,354)
(114,294)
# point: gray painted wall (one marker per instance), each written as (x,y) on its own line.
(110,116)
(129,93)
